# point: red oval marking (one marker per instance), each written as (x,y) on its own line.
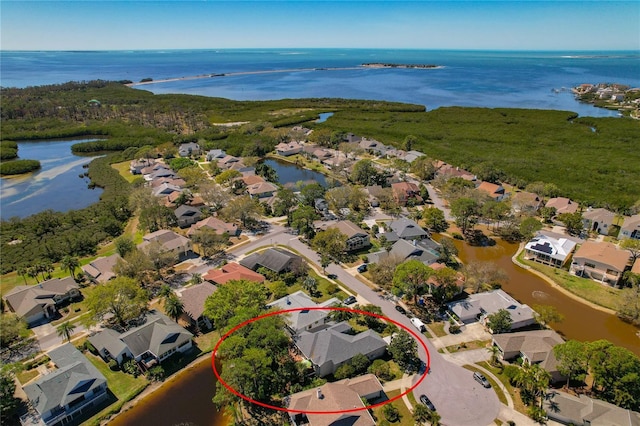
(316,308)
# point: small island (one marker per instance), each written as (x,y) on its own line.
(392,65)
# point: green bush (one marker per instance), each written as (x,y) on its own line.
(89,347)
(17,167)
(156,373)
(332,288)
(113,365)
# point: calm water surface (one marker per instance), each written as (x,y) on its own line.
(55,186)
(290,175)
(581,322)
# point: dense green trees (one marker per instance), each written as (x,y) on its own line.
(500,322)
(434,219)
(404,350)
(331,244)
(122,297)
(13,329)
(411,276)
(17,167)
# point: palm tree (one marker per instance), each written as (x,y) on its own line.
(33,272)
(434,418)
(23,270)
(65,330)
(494,351)
(174,307)
(70,263)
(165,293)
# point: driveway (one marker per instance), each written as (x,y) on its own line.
(460,400)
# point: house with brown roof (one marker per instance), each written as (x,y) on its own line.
(168,241)
(600,261)
(262,190)
(227,161)
(404,191)
(598,220)
(136,166)
(496,192)
(101,269)
(534,347)
(252,179)
(447,171)
(38,303)
(217,225)
(562,205)
(322,406)
(524,202)
(357,238)
(581,410)
(232,271)
(288,148)
(193,299)
(631,227)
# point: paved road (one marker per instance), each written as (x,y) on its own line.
(460,400)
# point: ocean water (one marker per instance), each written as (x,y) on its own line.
(466,78)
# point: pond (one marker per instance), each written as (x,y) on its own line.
(57,185)
(323,117)
(290,175)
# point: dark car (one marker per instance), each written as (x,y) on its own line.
(332,276)
(362,268)
(349,300)
(426,401)
(481,379)
(401,310)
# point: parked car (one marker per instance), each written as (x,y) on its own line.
(332,276)
(349,300)
(418,324)
(481,379)
(426,401)
(362,268)
(401,310)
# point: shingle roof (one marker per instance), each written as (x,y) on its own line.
(101,269)
(536,345)
(216,224)
(602,252)
(348,228)
(562,205)
(157,335)
(193,298)
(300,320)
(407,228)
(28,300)
(232,271)
(577,409)
(275,259)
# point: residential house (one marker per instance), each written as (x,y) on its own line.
(275,259)
(373,146)
(411,156)
(187,215)
(447,171)
(356,237)
(262,190)
(325,405)
(331,347)
(304,320)
(166,189)
(163,172)
(150,343)
(600,261)
(336,162)
(562,205)
(189,149)
(38,303)
(215,155)
(496,192)
(169,241)
(524,202)
(75,388)
(373,193)
(321,153)
(405,229)
(148,171)
(433,283)
(548,250)
(232,271)
(193,299)
(426,251)
(478,306)
(227,161)
(581,410)
(288,148)
(631,227)
(179,182)
(533,347)
(321,205)
(101,269)
(219,226)
(252,179)
(598,220)
(405,191)
(136,166)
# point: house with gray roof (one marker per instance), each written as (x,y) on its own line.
(405,229)
(187,215)
(357,238)
(582,410)
(38,303)
(275,259)
(598,220)
(101,269)
(331,347)
(307,320)
(216,154)
(426,251)
(75,388)
(168,241)
(478,306)
(630,227)
(189,149)
(152,342)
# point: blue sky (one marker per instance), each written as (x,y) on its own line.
(129,25)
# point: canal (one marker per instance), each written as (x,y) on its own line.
(581,322)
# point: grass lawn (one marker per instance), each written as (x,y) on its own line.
(27,375)
(467,346)
(438,328)
(406,419)
(590,290)
(207,341)
(123,169)
(514,392)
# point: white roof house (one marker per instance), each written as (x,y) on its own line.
(479,306)
(304,319)
(549,250)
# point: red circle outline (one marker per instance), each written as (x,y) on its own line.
(317,308)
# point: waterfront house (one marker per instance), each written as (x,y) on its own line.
(533,347)
(232,271)
(333,398)
(168,241)
(562,205)
(101,270)
(357,238)
(275,259)
(252,179)
(333,346)
(524,202)
(405,191)
(187,215)
(136,166)
(39,303)
(496,192)
(424,250)
(288,148)
(548,250)
(150,343)
(631,227)
(477,307)
(189,149)
(598,220)
(600,261)
(218,226)
(75,388)
(227,161)
(304,320)
(193,299)
(581,410)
